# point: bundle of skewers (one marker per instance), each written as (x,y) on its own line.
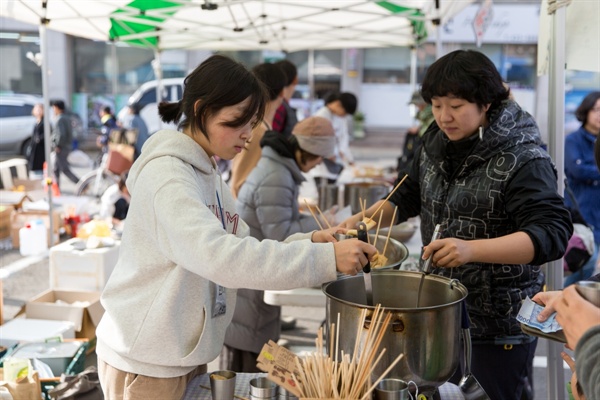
(323,376)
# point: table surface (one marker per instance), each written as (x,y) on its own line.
(195,391)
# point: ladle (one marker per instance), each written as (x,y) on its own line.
(362,236)
(469,386)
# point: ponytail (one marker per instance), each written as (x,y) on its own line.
(170,112)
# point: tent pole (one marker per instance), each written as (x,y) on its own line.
(115,70)
(159,87)
(311,76)
(556,132)
(47,135)
(413,68)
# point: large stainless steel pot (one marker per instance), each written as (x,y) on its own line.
(428,336)
(369,191)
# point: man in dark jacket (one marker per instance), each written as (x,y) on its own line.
(62,142)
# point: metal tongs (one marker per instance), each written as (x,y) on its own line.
(437,233)
(362,236)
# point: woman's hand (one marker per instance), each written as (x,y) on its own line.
(351,255)
(326,235)
(448,253)
(546,299)
(575,314)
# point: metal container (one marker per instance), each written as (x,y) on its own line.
(369,191)
(328,196)
(589,290)
(263,389)
(428,336)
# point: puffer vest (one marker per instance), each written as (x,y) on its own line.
(470,204)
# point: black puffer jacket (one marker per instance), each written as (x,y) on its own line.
(502,184)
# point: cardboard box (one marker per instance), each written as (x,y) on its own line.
(13,199)
(36,329)
(20,218)
(5,213)
(28,185)
(87,269)
(84,318)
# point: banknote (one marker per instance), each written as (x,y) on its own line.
(528,316)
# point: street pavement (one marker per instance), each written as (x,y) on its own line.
(25,277)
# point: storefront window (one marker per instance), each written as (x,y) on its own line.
(20,74)
(93,66)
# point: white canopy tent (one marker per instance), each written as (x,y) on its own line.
(284,25)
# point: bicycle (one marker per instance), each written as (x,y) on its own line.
(95,182)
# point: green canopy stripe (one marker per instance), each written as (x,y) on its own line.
(418,23)
(142,23)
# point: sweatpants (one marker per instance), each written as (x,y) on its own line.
(120,385)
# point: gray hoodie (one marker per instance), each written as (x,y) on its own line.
(174,252)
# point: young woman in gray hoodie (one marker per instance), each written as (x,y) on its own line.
(185,250)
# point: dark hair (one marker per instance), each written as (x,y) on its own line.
(218,82)
(347,100)
(272,76)
(106,109)
(467,74)
(289,69)
(586,105)
(58,104)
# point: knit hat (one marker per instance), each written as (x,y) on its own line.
(316,136)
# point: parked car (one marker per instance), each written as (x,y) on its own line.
(145,99)
(16,122)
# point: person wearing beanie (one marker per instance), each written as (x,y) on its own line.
(268,203)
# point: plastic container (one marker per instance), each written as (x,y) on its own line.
(58,355)
(33,238)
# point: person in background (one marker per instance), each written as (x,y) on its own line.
(413,135)
(62,142)
(583,177)
(337,107)
(501,221)
(274,80)
(268,202)
(133,121)
(581,327)
(37,154)
(108,123)
(115,200)
(285,117)
(185,250)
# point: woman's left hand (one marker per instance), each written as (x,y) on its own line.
(448,253)
(326,235)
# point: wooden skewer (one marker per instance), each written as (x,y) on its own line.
(390,195)
(377,231)
(390,231)
(313,214)
(323,216)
